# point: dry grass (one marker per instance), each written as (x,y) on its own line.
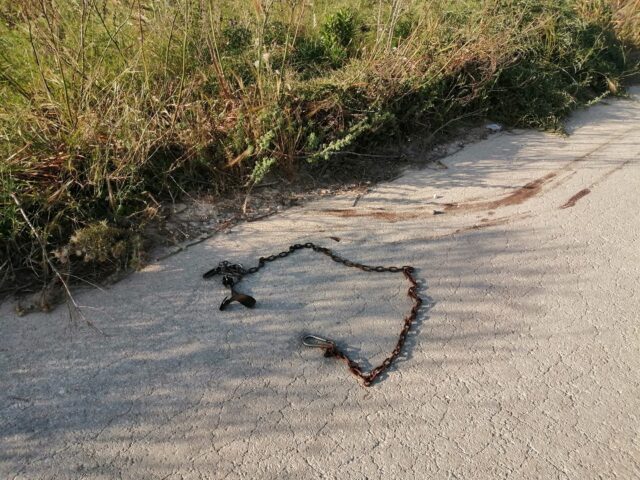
(110,107)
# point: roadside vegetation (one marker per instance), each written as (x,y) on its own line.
(110,108)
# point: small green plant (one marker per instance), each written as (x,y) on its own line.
(261,168)
(309,56)
(338,36)
(276,33)
(404,28)
(339,28)
(237,37)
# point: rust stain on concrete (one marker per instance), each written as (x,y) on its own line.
(377,214)
(517,197)
(485,223)
(573,200)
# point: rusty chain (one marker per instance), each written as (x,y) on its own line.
(232,274)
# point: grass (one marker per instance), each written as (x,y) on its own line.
(108,108)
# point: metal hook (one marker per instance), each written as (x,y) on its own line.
(314,341)
(246,300)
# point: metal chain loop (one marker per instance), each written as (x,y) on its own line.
(232,274)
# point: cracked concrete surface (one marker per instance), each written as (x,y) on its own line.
(524,363)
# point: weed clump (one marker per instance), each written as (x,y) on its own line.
(103,244)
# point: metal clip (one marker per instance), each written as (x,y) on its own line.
(246,300)
(226,268)
(314,341)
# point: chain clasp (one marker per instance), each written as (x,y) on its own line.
(314,341)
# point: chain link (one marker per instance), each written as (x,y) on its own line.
(232,274)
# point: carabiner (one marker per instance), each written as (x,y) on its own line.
(314,341)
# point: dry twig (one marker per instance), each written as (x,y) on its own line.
(73,305)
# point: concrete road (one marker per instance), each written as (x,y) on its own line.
(524,362)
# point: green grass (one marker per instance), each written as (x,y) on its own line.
(110,107)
